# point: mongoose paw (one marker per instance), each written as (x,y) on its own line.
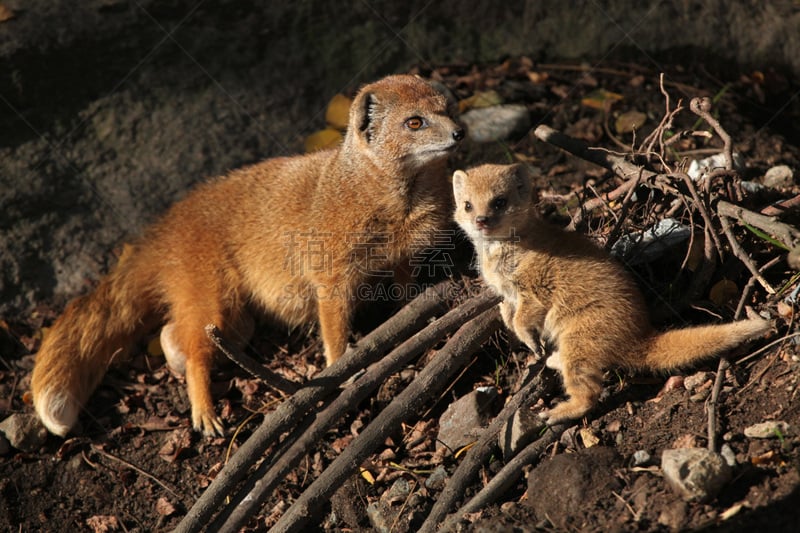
(209,424)
(567,410)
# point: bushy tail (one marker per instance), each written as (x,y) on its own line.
(680,347)
(93,331)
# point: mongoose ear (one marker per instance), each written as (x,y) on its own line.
(364,114)
(459,182)
(522,180)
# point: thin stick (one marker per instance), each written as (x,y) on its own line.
(742,255)
(132,466)
(785,233)
(723,366)
(250,365)
(702,108)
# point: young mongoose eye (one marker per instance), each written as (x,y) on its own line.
(467,206)
(498,204)
(415,123)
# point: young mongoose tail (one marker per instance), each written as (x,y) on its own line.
(559,286)
(291,237)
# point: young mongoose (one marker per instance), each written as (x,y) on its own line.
(558,285)
(291,237)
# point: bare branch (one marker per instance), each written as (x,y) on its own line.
(279,383)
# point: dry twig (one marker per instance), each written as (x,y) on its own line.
(279,383)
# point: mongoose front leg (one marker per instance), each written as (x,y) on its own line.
(527,322)
(334,323)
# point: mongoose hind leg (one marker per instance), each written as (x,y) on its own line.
(189,351)
(583,383)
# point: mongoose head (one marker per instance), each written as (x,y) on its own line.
(402,120)
(492,201)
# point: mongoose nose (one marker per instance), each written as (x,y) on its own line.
(482,221)
(458,134)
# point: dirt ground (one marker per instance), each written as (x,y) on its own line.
(136,466)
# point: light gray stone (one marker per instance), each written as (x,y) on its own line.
(696,474)
(462,420)
(496,123)
(770,429)
(779,176)
(520,430)
(24,432)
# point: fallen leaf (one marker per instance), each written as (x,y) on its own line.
(5,13)
(538,77)
(600,99)
(103,523)
(770,458)
(785,310)
(323,139)
(164,507)
(338,113)
(588,437)
(630,121)
(480,99)
(177,441)
(368,477)
(723,291)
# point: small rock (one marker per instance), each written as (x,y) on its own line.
(520,430)
(728,454)
(698,168)
(396,510)
(696,381)
(496,123)
(779,176)
(462,419)
(437,479)
(696,474)
(641,458)
(24,432)
(768,430)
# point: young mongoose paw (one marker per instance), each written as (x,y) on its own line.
(209,424)
(561,412)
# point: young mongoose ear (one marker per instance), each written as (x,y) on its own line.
(523,180)
(459,179)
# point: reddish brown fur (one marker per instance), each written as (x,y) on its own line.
(557,284)
(241,241)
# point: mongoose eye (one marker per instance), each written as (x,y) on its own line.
(499,203)
(415,123)
(467,206)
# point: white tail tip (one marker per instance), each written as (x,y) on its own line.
(57,411)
